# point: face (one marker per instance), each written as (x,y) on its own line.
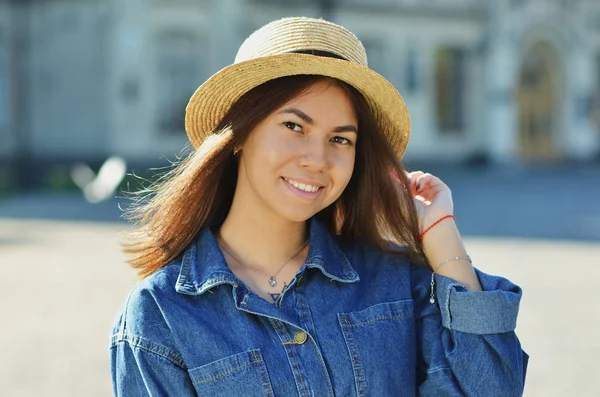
(300,158)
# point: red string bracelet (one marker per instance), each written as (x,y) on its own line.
(435,223)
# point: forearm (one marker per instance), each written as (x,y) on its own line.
(476,365)
(466,341)
(443,242)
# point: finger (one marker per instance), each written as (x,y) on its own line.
(422,200)
(404,181)
(412,178)
(426,181)
(414,174)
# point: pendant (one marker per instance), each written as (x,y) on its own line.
(275,298)
(272,282)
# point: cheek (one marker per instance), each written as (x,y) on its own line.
(265,152)
(344,168)
(273,145)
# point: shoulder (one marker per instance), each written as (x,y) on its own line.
(146,296)
(140,320)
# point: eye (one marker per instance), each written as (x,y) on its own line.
(293,126)
(341,140)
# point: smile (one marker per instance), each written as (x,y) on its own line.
(302,186)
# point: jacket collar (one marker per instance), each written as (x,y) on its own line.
(203,265)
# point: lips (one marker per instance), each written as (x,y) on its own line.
(306,187)
(303,190)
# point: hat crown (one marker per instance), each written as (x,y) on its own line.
(289,35)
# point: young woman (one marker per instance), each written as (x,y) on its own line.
(291,254)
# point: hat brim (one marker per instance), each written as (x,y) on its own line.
(213,99)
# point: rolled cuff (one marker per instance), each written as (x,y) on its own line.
(490,311)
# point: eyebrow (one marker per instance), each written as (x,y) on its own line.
(307,119)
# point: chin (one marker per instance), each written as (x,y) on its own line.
(298,216)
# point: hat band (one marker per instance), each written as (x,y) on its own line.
(320,53)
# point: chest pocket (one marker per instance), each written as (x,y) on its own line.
(381,343)
(243,374)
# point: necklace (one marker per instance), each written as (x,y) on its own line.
(272,279)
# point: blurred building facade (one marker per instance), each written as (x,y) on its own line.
(507,80)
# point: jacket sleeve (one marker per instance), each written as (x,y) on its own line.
(139,366)
(466,342)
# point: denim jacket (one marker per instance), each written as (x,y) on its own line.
(354,321)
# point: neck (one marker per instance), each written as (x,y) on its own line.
(259,239)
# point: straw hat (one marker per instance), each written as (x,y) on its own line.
(284,48)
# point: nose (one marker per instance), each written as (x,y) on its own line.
(313,155)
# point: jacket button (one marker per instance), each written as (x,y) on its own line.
(300,337)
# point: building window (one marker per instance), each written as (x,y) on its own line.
(449,89)
(180,70)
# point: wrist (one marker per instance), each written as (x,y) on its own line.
(436,222)
(444,242)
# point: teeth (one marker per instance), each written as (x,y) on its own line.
(302,186)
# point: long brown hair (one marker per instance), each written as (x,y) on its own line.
(199,190)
